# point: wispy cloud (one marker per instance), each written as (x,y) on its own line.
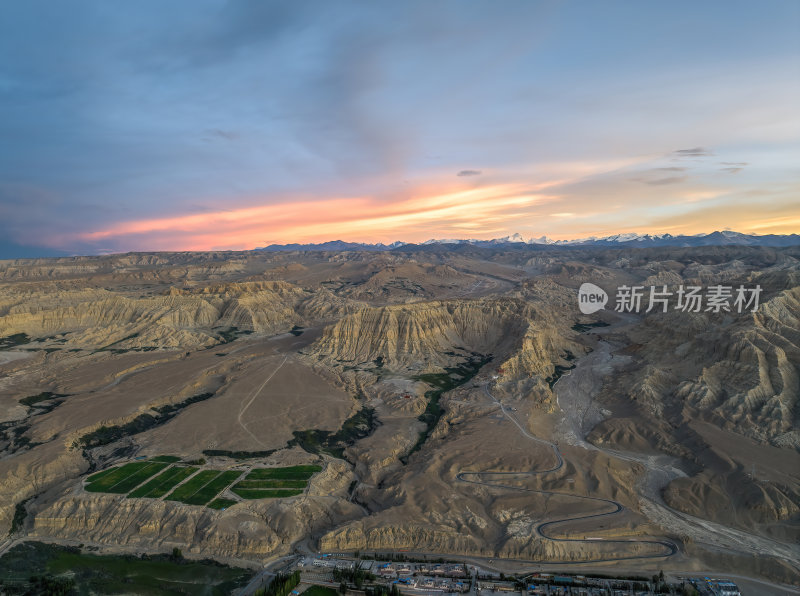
(347,218)
(693,152)
(469,173)
(664,181)
(217,133)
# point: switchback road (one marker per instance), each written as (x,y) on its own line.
(668,548)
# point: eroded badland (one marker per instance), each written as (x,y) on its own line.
(455,401)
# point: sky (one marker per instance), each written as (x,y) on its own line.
(214,125)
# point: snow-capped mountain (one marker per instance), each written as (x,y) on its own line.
(626,240)
(512,238)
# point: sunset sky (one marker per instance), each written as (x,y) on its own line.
(206,124)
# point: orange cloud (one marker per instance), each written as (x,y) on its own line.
(579,200)
(357,218)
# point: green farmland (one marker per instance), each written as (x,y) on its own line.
(222,503)
(191,486)
(124,478)
(203,487)
(272,484)
(213,488)
(289,473)
(246,493)
(98,475)
(163,483)
(164,477)
(275,483)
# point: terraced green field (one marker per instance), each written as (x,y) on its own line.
(124,478)
(246,483)
(163,483)
(156,477)
(191,486)
(99,475)
(213,488)
(288,473)
(246,493)
(221,503)
(275,483)
(203,487)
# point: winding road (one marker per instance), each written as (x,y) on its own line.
(478,478)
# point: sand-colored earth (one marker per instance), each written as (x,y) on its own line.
(672,443)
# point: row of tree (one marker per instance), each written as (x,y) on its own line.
(281,585)
(357,577)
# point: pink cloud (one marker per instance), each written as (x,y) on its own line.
(358,218)
(562,201)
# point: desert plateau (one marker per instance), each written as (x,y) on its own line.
(448,400)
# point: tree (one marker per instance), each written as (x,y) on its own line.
(46,585)
(343,588)
(177,555)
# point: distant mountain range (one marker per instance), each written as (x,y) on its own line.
(617,240)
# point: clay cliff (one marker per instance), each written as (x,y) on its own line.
(98,318)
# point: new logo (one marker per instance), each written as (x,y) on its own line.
(591,298)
